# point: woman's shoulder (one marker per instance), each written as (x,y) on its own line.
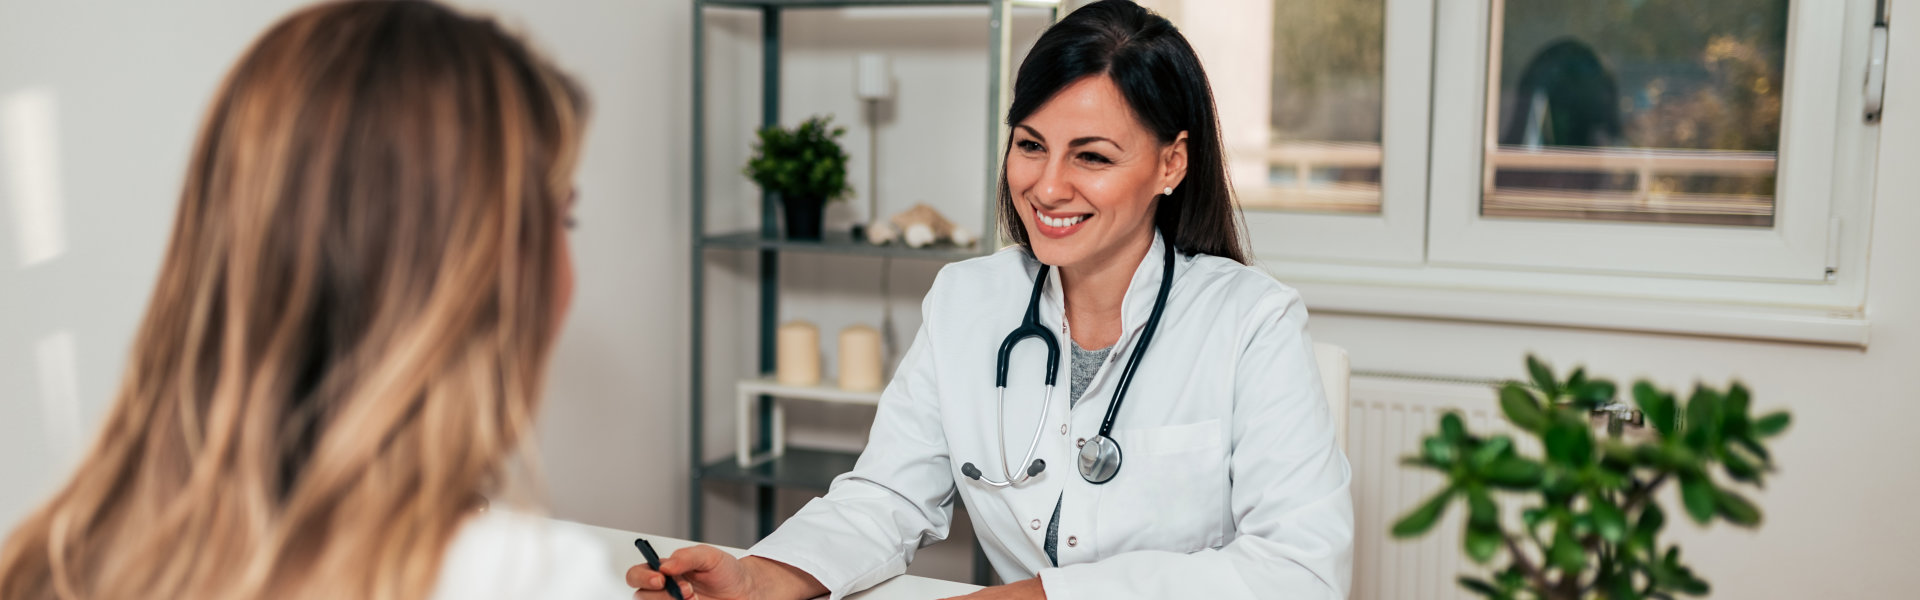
(508,554)
(1232,285)
(1011,261)
(985,278)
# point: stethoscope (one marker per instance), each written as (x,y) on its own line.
(1100,457)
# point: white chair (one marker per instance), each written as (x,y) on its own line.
(1336,374)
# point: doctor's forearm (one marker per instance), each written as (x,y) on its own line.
(775,580)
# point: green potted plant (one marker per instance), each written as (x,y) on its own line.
(805,167)
(1593,524)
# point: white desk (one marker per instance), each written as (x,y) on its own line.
(619,545)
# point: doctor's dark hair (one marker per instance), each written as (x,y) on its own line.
(1160,76)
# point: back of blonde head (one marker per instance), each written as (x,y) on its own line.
(350,327)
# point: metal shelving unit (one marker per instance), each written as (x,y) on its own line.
(801,468)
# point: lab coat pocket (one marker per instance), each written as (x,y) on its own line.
(1171,492)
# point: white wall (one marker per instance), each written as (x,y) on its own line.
(129,85)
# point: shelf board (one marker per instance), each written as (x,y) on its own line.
(825,392)
(841,242)
(846,3)
(799,468)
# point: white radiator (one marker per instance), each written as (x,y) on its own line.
(1388,416)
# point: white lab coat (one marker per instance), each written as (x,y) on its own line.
(1231,484)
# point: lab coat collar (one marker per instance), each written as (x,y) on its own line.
(1135,308)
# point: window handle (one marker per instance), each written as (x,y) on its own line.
(1876,91)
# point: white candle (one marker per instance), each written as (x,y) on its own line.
(797,358)
(860,358)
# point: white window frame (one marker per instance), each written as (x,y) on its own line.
(1802,280)
(1794,249)
(1394,236)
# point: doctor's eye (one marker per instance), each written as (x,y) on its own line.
(1098,159)
(1028,146)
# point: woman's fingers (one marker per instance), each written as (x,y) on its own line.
(686,591)
(707,568)
(644,578)
(692,559)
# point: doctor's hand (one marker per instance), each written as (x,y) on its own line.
(708,573)
(1021,590)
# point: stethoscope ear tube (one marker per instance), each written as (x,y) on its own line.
(1029,327)
(973,472)
(1035,466)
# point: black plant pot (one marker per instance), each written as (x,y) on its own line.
(803,216)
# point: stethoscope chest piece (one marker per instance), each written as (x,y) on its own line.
(1099,459)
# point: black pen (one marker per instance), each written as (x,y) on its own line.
(653,562)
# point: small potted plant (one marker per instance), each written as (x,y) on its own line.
(805,167)
(1592,527)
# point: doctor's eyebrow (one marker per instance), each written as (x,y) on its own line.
(1079,141)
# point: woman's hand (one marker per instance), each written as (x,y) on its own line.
(702,571)
(1025,590)
(708,573)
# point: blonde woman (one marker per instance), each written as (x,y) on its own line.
(347,340)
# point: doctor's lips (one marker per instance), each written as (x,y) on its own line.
(1057,225)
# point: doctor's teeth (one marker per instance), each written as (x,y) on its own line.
(1066,222)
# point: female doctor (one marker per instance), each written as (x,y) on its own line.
(1183,450)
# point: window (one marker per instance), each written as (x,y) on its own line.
(1714,155)
(1665,149)
(1325,123)
(1323,153)
(1663,112)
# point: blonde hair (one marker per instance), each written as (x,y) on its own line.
(350,328)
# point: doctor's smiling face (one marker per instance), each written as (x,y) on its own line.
(1086,175)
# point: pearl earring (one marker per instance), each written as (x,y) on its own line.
(1167,192)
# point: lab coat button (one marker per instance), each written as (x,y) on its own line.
(1073,541)
(1036,524)
(1080,444)
(1063,429)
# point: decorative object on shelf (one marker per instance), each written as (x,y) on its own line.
(805,166)
(797,360)
(874,86)
(919,227)
(860,359)
(1594,532)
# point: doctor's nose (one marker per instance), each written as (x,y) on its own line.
(1052,188)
